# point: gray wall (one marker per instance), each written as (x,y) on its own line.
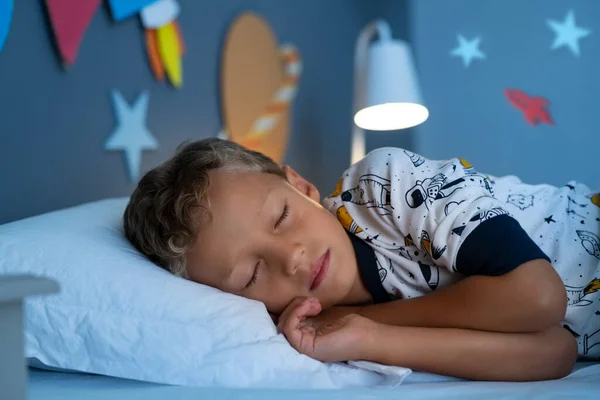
(470,116)
(53,123)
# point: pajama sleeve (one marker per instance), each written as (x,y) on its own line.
(443,208)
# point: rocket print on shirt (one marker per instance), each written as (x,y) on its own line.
(429,248)
(590,242)
(378,187)
(582,296)
(469,170)
(416,160)
(481,217)
(347,221)
(380,190)
(466,166)
(431,189)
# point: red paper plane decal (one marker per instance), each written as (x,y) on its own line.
(533,108)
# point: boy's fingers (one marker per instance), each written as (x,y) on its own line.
(294,323)
(285,315)
(296,310)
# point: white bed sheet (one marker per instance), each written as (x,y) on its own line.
(582,384)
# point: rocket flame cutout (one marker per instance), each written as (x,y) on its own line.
(164,40)
(533,108)
(280,101)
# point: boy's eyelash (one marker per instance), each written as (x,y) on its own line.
(254,276)
(284,215)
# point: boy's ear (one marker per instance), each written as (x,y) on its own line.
(304,186)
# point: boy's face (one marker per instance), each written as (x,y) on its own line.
(271,241)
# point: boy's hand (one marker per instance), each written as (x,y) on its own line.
(326,316)
(340,339)
(334,313)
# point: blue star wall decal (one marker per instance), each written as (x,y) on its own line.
(567,33)
(468,50)
(131,135)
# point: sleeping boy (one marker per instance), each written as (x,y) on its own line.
(425,264)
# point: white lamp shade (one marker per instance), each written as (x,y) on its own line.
(390,98)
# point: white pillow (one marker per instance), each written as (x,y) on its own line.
(118,314)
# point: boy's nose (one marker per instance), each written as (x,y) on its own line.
(294,258)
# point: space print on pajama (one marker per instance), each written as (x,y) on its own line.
(419,224)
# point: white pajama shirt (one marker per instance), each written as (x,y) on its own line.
(418,224)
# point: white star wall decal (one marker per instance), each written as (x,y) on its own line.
(567,33)
(131,135)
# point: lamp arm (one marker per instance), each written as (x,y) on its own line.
(382,28)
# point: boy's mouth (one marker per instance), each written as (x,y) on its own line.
(319,270)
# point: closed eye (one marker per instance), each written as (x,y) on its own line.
(284,215)
(254,278)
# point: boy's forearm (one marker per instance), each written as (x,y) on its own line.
(517,302)
(475,355)
(475,303)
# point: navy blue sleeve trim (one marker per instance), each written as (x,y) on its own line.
(367,267)
(496,247)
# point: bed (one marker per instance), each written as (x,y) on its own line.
(582,383)
(108,320)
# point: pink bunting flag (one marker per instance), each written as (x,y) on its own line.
(69,21)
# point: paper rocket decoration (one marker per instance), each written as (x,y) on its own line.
(159,13)
(164,40)
(122,9)
(131,136)
(533,108)
(69,21)
(6,10)
(280,102)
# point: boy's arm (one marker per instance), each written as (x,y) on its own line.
(530,298)
(475,355)
(462,353)
(447,215)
